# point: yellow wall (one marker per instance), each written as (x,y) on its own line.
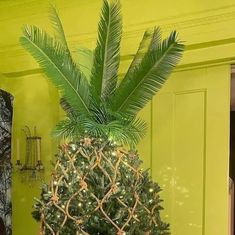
(35,104)
(206,26)
(191,149)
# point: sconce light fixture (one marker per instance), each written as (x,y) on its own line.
(31,167)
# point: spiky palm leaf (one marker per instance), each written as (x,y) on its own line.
(106,55)
(66,106)
(101,107)
(85,55)
(85,59)
(156,40)
(58,27)
(125,131)
(143,48)
(139,86)
(58,66)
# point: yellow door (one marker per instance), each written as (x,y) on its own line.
(190,150)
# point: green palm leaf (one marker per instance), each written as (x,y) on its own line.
(139,86)
(106,55)
(69,128)
(156,39)
(94,105)
(85,59)
(57,25)
(143,48)
(85,56)
(149,42)
(66,106)
(58,66)
(126,131)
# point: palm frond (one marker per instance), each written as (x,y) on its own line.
(58,27)
(139,86)
(85,56)
(107,52)
(124,131)
(69,128)
(128,131)
(58,66)
(94,105)
(85,60)
(66,106)
(156,39)
(143,48)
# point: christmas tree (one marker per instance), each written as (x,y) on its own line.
(97,187)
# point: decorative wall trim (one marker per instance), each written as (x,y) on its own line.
(191,22)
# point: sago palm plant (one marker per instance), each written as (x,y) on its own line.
(97,187)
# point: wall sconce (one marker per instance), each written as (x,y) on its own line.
(31,168)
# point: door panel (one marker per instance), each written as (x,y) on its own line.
(190,142)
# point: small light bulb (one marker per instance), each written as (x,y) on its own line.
(74,147)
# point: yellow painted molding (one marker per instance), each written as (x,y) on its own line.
(203,31)
(183,21)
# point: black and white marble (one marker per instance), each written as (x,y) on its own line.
(6,112)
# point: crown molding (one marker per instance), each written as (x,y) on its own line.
(187,24)
(179,22)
